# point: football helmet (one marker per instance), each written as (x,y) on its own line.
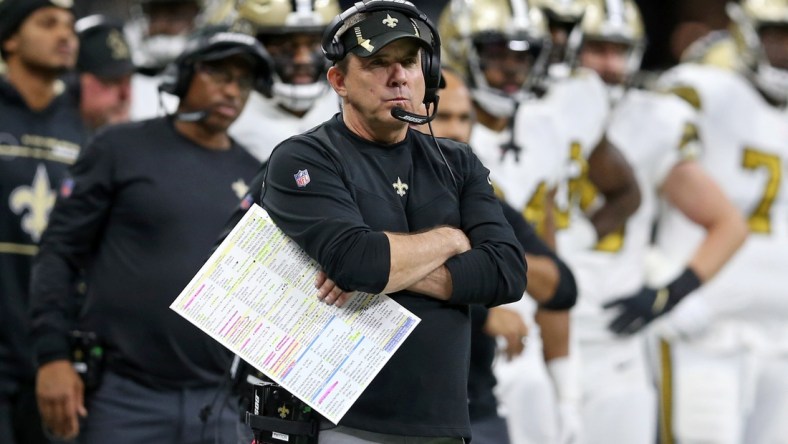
(152,51)
(567,11)
(276,18)
(748,20)
(616,21)
(562,16)
(474,30)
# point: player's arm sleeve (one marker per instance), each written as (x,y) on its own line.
(493,271)
(565,295)
(75,225)
(323,218)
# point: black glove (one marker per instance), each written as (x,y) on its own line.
(646,305)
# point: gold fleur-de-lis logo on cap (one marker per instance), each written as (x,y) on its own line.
(118,47)
(283,411)
(390,21)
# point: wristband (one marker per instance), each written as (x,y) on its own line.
(687,282)
(563,373)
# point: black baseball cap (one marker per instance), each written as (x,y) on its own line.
(14,12)
(367,33)
(103,49)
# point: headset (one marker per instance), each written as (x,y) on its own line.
(178,75)
(334,50)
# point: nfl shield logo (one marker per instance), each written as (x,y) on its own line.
(246,203)
(66,187)
(301,178)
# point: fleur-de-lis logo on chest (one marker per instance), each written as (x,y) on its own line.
(33,203)
(400,186)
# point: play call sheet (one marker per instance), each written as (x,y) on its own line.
(256,295)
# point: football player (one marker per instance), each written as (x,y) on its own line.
(728,343)
(502,47)
(157,32)
(657,135)
(300,97)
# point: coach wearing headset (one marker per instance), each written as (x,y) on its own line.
(384,209)
(144,204)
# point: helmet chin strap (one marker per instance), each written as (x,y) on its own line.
(298,98)
(497,104)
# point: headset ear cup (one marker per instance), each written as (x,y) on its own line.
(185,74)
(332,47)
(431,66)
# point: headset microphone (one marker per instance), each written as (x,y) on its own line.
(416,119)
(192,116)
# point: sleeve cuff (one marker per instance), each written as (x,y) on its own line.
(52,347)
(465,288)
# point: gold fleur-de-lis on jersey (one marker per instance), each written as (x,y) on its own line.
(34,203)
(390,21)
(283,411)
(240,188)
(400,187)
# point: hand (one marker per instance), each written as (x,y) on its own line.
(60,394)
(459,239)
(509,325)
(328,292)
(570,423)
(636,311)
(646,305)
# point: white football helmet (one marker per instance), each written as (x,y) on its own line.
(284,17)
(153,52)
(562,15)
(616,21)
(466,26)
(748,20)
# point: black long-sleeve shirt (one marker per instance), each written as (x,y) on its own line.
(335,194)
(36,148)
(146,207)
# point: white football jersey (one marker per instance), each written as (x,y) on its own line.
(654,132)
(263,124)
(523,178)
(581,108)
(745,149)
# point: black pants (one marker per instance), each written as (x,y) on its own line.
(122,411)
